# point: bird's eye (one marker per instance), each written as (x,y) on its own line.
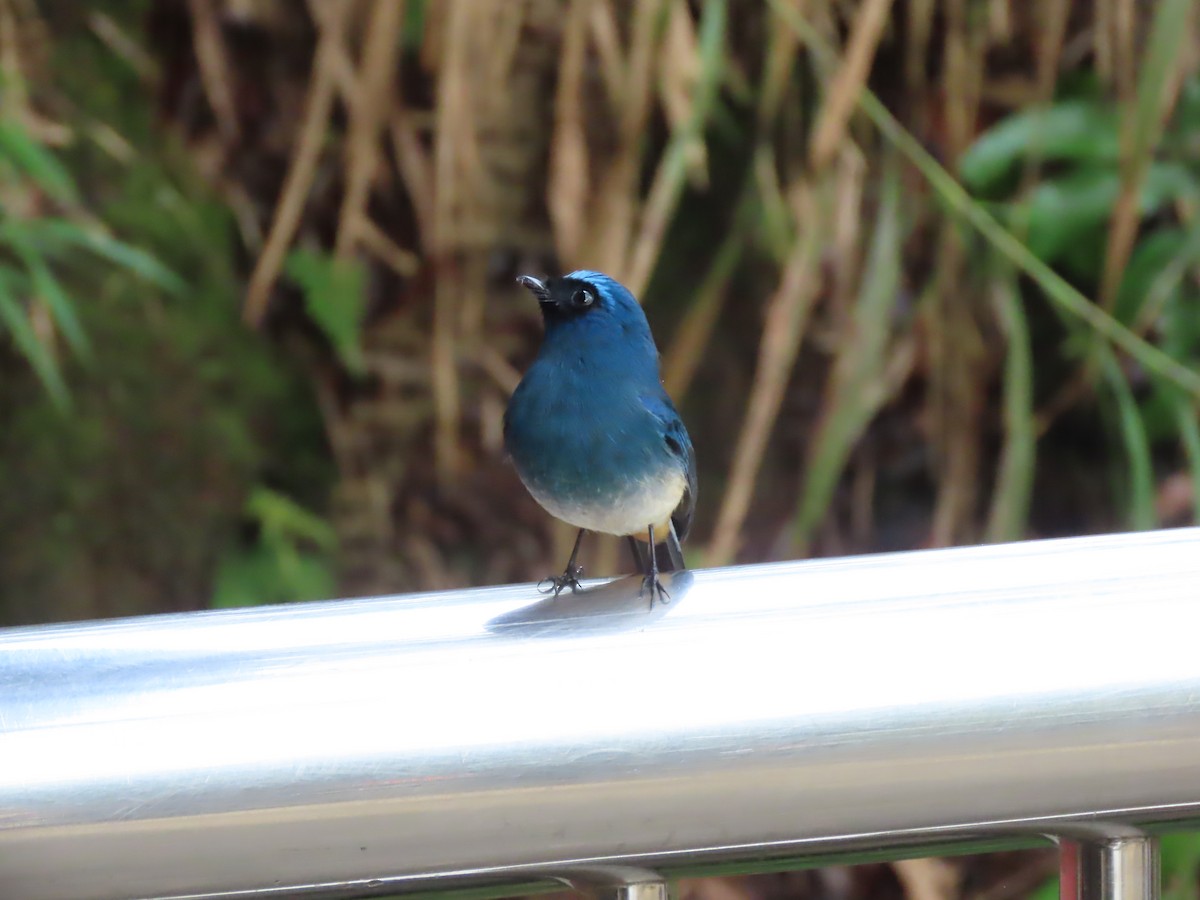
(582,298)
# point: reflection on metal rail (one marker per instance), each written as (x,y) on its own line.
(770,715)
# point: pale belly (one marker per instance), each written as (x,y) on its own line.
(650,502)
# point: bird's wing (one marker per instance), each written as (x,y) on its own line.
(676,438)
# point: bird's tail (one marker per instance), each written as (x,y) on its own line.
(669,553)
(674,549)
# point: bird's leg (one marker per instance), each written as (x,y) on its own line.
(570,576)
(657,591)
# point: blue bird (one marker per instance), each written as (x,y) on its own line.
(593,435)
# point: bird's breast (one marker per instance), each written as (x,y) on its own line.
(627,507)
(589,450)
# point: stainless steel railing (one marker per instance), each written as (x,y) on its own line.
(782,713)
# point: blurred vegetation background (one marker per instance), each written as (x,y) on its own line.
(922,272)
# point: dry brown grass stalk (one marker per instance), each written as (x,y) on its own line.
(685,156)
(957,352)
(656,213)
(213,63)
(964,51)
(695,333)
(871,360)
(927,879)
(782,47)
(1102,39)
(614,211)
(1048,46)
(841,97)
(416,171)
(679,67)
(916,50)
(567,191)
(787,314)
(458,187)
(1136,149)
(361,151)
(380,245)
(14,97)
(457,156)
(602,25)
(958,375)
(301,171)
(445,382)
(1125,215)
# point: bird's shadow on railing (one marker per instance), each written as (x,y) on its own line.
(617,605)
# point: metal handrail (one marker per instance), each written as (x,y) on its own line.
(768,715)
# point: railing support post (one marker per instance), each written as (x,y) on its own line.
(644,890)
(618,883)
(1121,868)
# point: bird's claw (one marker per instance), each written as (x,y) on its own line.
(556,584)
(657,591)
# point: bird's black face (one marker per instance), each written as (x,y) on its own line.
(562,298)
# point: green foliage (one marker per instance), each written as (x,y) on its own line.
(1080,131)
(126,505)
(335,297)
(413,30)
(1132,429)
(1180,855)
(291,559)
(1014,481)
(134,503)
(16,320)
(37,253)
(1065,218)
(857,384)
(22,156)
(1063,211)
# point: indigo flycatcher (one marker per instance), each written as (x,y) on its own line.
(593,435)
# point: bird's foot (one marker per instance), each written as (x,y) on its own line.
(652,584)
(556,584)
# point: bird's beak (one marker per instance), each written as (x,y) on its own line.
(535,286)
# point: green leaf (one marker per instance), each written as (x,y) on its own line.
(1018,460)
(1060,211)
(14,317)
(412,33)
(1142,514)
(1189,433)
(336,300)
(1179,326)
(1150,257)
(48,289)
(1082,258)
(858,386)
(1170,289)
(53,235)
(1159,62)
(30,157)
(283,517)
(1049,890)
(1065,297)
(259,576)
(1183,132)
(1078,130)
(1158,410)
(276,569)
(1180,859)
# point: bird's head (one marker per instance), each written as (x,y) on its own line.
(584,295)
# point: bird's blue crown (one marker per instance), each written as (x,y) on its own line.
(590,312)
